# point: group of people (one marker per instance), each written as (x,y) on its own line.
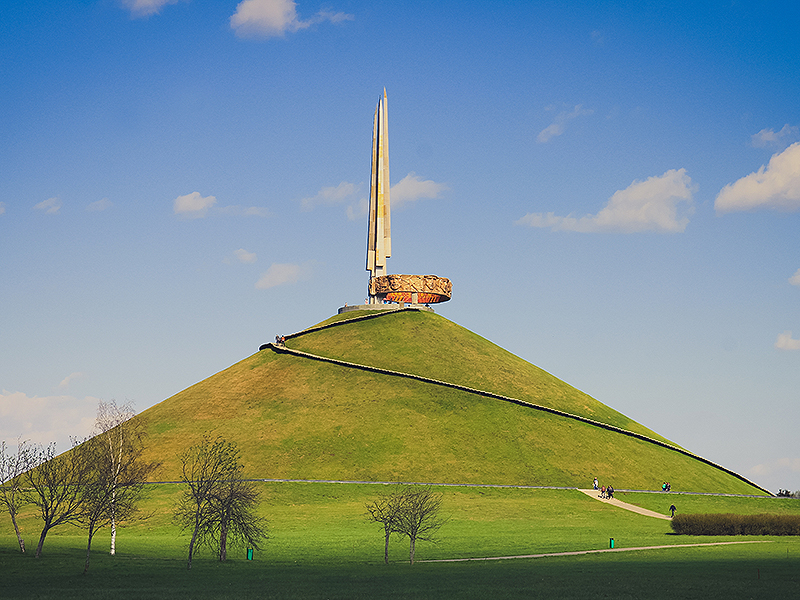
(608,492)
(605,492)
(280,340)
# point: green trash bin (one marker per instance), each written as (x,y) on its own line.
(611,543)
(249,554)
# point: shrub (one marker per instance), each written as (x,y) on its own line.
(730,524)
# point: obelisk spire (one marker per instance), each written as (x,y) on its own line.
(379,234)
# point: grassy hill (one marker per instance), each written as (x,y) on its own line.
(299,418)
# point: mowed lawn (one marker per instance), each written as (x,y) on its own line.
(321,546)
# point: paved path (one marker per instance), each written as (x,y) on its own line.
(580,552)
(619,503)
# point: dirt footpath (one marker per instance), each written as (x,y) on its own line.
(619,503)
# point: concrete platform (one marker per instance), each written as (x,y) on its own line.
(383,307)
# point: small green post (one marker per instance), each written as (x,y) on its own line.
(611,542)
(249,554)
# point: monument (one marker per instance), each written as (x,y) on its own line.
(384,291)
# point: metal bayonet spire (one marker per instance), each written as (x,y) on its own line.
(379,235)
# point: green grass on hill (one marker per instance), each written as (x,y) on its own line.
(424,343)
(304,419)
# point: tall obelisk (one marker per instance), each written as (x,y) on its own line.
(379,233)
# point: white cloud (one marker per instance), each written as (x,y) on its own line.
(271,18)
(768,137)
(785,342)
(560,122)
(193,206)
(775,186)
(284,274)
(66,381)
(411,188)
(330,195)
(145,8)
(51,206)
(2,208)
(781,466)
(358,210)
(650,205)
(795,279)
(407,190)
(244,256)
(45,419)
(102,204)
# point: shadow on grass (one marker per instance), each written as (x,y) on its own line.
(674,573)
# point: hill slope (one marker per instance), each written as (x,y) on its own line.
(299,418)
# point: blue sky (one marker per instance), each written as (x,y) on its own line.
(613,190)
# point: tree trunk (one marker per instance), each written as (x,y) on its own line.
(191,546)
(16,528)
(386,547)
(113,523)
(113,537)
(88,548)
(411,550)
(223,541)
(41,542)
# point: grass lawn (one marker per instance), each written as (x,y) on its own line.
(322,547)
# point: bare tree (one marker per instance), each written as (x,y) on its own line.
(109,425)
(387,510)
(12,466)
(411,510)
(233,520)
(204,468)
(116,482)
(420,518)
(55,484)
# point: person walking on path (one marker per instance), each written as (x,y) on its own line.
(672,509)
(595,483)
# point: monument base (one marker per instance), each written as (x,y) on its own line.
(384,307)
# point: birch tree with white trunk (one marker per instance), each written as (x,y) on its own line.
(12,466)
(111,425)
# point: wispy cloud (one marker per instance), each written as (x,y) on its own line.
(785,342)
(2,208)
(45,419)
(560,122)
(284,274)
(358,210)
(102,204)
(68,379)
(146,8)
(795,279)
(330,195)
(650,205)
(193,206)
(273,18)
(51,206)
(769,137)
(598,37)
(244,256)
(774,186)
(412,187)
(784,467)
